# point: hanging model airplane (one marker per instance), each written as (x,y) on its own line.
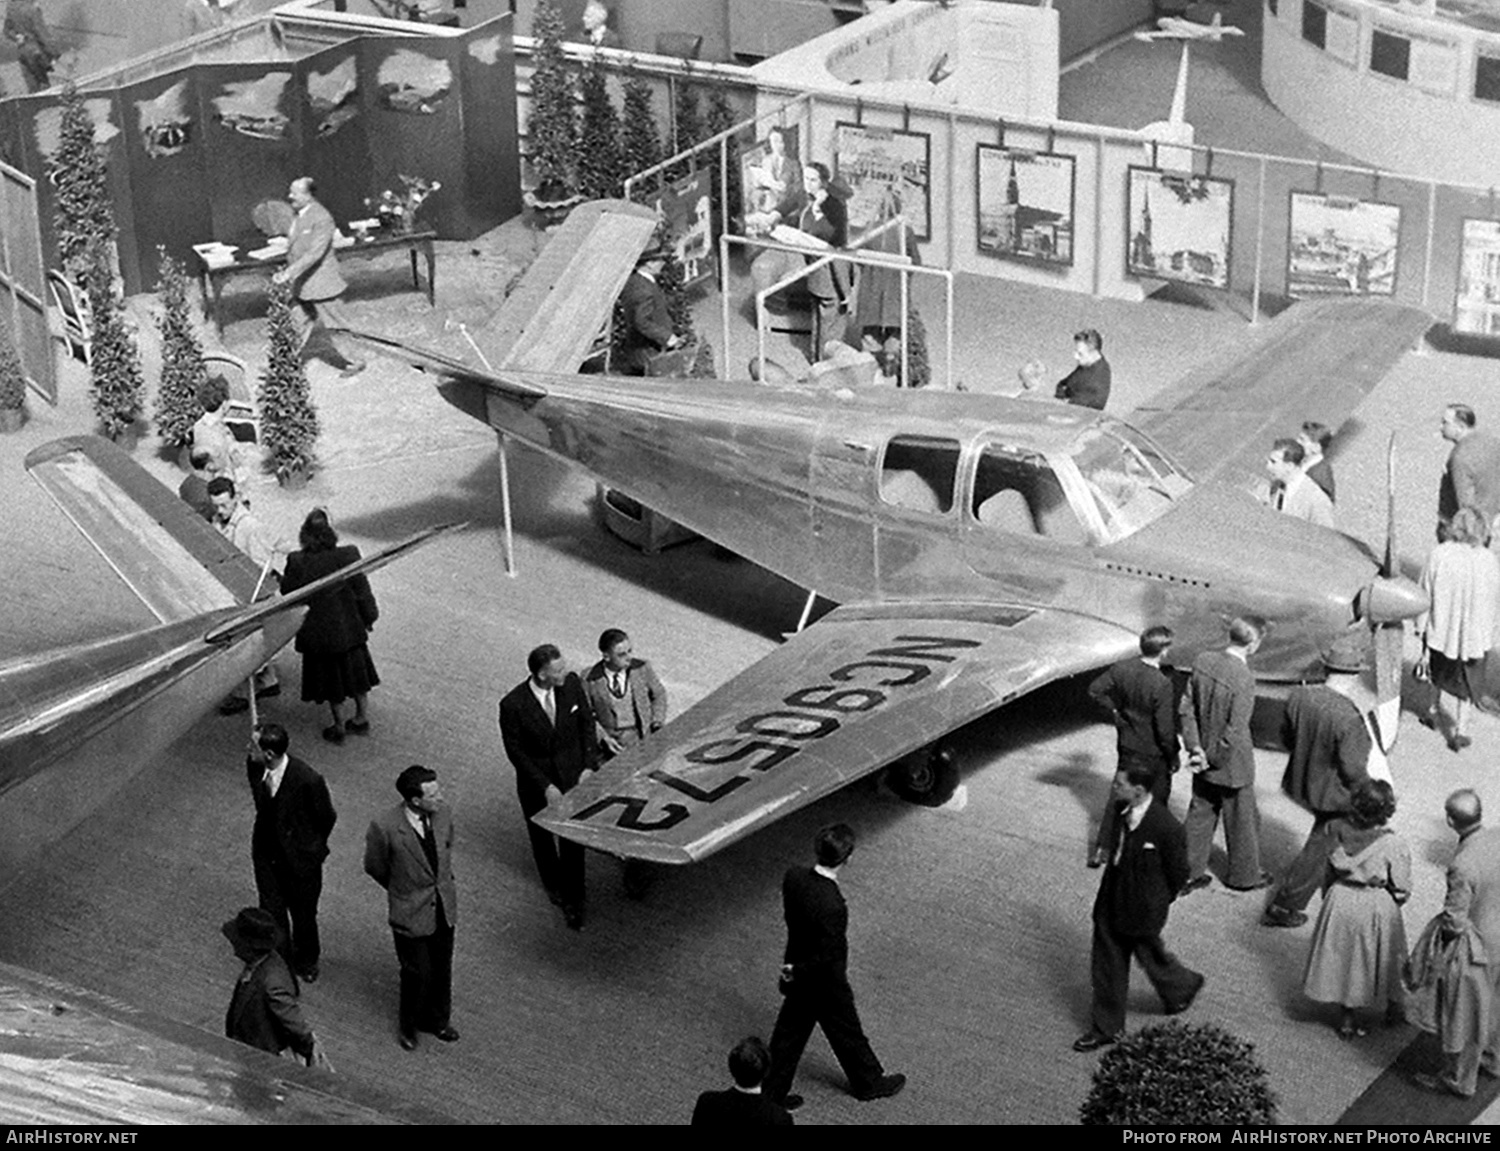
(978,547)
(109,706)
(1175,130)
(1180,28)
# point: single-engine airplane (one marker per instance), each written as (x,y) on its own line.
(1180,28)
(109,706)
(978,547)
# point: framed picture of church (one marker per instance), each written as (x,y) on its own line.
(1024,204)
(884,167)
(1178,227)
(1341,246)
(1476,308)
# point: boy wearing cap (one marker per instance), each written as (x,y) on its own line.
(1330,748)
(264,1011)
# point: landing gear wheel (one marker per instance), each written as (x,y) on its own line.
(928,777)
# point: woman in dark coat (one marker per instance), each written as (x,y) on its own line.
(825,216)
(336,663)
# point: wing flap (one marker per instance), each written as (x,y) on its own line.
(859,689)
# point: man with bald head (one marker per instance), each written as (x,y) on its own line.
(312,269)
(1470,924)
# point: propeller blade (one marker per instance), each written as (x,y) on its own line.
(1388,568)
(1390,644)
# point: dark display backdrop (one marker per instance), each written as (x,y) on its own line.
(182,172)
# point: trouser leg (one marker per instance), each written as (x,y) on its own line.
(1110,965)
(415,957)
(543,843)
(272,898)
(437,1008)
(1174,982)
(839,1019)
(794,1026)
(334,314)
(1463,1069)
(1242,836)
(570,872)
(1202,819)
(1305,875)
(302,894)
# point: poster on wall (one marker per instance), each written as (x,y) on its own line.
(770,172)
(253,107)
(165,124)
(1178,227)
(1341,246)
(333,96)
(1476,309)
(408,81)
(882,166)
(685,208)
(1025,204)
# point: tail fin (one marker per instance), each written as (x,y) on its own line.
(175,562)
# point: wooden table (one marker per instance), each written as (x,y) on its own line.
(211,279)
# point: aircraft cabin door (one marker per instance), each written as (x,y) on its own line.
(1018,522)
(843,516)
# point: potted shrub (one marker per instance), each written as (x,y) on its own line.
(83,212)
(639,139)
(600,162)
(12,386)
(288,421)
(552,127)
(182,368)
(1177,1075)
(118,386)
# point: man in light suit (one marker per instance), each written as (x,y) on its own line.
(409,852)
(294,817)
(548,731)
(1468,1025)
(313,270)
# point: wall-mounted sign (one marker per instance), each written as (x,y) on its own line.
(1178,227)
(1025,204)
(1341,246)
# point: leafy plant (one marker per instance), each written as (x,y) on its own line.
(118,387)
(918,359)
(82,212)
(552,127)
(288,421)
(721,117)
(1178,1075)
(182,368)
(639,138)
(600,160)
(12,375)
(687,121)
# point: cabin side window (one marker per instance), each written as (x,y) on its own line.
(919,473)
(1016,491)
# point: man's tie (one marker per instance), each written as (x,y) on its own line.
(549,705)
(617,684)
(429,844)
(270,783)
(1123,829)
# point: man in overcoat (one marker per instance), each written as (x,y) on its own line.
(264,1011)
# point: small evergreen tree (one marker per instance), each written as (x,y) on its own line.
(12,375)
(182,369)
(600,160)
(118,388)
(552,127)
(918,359)
(83,211)
(687,121)
(721,118)
(288,421)
(639,139)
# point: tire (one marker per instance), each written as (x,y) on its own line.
(928,777)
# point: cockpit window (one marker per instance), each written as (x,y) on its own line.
(919,473)
(1130,482)
(1016,491)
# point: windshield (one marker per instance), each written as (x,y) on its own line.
(1128,480)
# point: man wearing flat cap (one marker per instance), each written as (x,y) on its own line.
(647,319)
(264,1011)
(1330,751)
(409,852)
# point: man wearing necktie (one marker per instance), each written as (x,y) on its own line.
(409,852)
(293,818)
(547,727)
(1145,868)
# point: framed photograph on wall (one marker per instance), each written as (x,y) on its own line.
(1476,308)
(770,170)
(1341,246)
(684,206)
(880,162)
(1024,204)
(1178,226)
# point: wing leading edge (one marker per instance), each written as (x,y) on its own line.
(862,687)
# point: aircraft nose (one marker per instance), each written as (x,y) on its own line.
(1390,599)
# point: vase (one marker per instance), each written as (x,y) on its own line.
(294,480)
(12,419)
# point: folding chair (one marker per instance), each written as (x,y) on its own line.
(78,320)
(241,417)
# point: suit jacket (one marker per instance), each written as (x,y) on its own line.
(1087,385)
(1321,473)
(309,257)
(395,859)
(647,696)
(293,827)
(831,281)
(264,1012)
(338,619)
(1215,715)
(543,753)
(1472,478)
(1137,891)
(1474,891)
(1140,700)
(645,306)
(1330,748)
(817,925)
(734,1108)
(1305,500)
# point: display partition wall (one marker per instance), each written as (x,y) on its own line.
(190,151)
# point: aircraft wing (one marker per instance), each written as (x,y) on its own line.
(168,555)
(1318,360)
(857,690)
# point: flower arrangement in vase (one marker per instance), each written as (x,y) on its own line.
(397,211)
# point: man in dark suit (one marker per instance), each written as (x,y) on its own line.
(1147,866)
(548,731)
(815,978)
(1139,698)
(293,818)
(264,1012)
(743,1105)
(648,321)
(409,852)
(313,270)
